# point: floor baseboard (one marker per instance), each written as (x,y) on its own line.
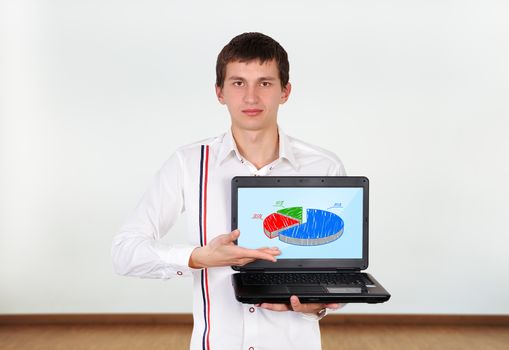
(401,319)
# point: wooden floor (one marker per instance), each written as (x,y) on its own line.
(334,336)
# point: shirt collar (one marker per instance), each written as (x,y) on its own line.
(229,147)
(286,149)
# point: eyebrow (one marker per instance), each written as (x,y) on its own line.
(259,79)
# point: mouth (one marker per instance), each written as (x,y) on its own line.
(252,112)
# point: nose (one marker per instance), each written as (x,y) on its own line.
(251,95)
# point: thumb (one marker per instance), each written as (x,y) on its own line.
(295,302)
(225,238)
(234,235)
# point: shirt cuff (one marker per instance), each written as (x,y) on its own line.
(177,257)
(315,317)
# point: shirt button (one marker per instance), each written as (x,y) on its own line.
(251,309)
(179,273)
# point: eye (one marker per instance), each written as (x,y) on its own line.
(238,83)
(265,83)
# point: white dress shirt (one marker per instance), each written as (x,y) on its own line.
(197,179)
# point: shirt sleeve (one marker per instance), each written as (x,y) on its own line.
(337,168)
(137,250)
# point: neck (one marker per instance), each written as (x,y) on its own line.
(259,147)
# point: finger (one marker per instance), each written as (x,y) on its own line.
(275,307)
(256,254)
(268,248)
(299,307)
(295,303)
(271,251)
(334,306)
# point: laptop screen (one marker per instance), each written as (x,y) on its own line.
(318,222)
(303,222)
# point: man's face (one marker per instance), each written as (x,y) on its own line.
(252,92)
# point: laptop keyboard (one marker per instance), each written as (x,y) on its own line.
(356,279)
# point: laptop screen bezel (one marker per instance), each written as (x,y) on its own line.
(305,181)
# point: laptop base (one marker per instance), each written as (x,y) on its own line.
(314,293)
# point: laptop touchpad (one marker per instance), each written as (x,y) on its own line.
(306,289)
(345,290)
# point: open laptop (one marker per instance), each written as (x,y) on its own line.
(320,224)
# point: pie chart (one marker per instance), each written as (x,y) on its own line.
(321,226)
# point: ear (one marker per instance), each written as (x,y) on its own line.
(219,94)
(285,93)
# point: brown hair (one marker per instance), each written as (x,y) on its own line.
(253,46)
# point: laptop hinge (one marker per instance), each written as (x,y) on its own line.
(262,270)
(252,270)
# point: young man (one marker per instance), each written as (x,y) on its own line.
(252,81)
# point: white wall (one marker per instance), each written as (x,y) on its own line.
(95,95)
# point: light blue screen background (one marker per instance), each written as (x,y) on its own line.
(262,201)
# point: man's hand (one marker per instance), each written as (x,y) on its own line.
(295,305)
(221,251)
